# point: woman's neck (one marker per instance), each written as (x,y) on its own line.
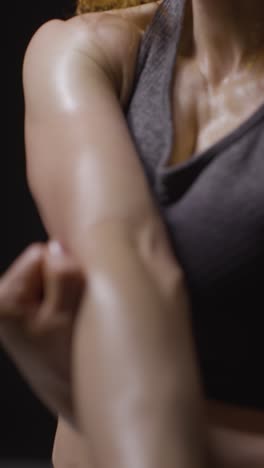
(227,35)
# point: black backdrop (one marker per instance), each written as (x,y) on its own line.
(26,428)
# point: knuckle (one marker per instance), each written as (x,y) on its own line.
(31,253)
(35,249)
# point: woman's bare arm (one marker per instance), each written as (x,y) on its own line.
(136,387)
(79,151)
(72,191)
(55,190)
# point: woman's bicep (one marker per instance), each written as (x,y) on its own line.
(82,165)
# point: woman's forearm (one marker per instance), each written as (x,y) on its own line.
(137,392)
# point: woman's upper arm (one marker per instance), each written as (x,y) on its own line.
(82,165)
(102,38)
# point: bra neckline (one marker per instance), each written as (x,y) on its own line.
(212,150)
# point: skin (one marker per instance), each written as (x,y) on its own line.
(230,448)
(22,304)
(213,74)
(39,297)
(122,248)
(215,88)
(73,231)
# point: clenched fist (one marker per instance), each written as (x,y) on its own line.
(39,298)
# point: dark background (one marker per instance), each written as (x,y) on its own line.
(26,428)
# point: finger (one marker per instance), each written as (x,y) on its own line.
(64,284)
(21,285)
(65,279)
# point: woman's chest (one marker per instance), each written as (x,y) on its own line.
(216,221)
(203,117)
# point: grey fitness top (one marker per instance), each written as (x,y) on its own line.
(213,206)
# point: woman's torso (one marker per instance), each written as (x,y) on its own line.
(205,165)
(203,155)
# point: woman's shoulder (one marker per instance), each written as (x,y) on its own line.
(116,43)
(110,38)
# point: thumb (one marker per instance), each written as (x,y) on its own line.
(63,286)
(65,281)
(21,285)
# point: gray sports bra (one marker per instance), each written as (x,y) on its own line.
(213,207)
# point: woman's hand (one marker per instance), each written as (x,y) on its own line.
(39,298)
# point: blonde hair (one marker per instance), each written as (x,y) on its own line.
(86,6)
